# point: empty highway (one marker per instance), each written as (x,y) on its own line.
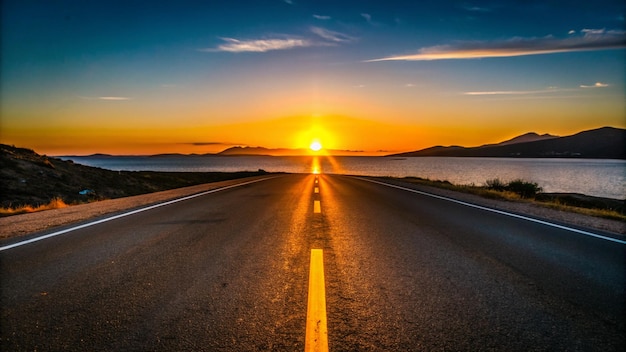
(229,271)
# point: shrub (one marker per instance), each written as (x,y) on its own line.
(495,184)
(523,188)
(520,187)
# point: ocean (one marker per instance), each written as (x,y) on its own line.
(594,177)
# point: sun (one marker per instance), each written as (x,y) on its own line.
(315,146)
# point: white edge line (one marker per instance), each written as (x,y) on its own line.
(57,233)
(582,232)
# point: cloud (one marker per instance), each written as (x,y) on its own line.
(549,90)
(511,92)
(263,45)
(332,36)
(200,144)
(477,9)
(114,98)
(587,31)
(259,45)
(109,98)
(290,2)
(591,39)
(322,17)
(369,20)
(596,85)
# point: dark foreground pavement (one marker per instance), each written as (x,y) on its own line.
(228,271)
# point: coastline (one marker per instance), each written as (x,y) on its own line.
(29,223)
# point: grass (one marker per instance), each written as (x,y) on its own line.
(55,203)
(600,213)
(504,193)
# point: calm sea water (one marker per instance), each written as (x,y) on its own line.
(602,178)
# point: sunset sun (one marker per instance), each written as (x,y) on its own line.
(315,146)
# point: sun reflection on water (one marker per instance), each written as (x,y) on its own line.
(316,167)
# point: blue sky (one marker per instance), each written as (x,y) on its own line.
(136,76)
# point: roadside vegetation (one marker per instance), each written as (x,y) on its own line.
(530,192)
(21,195)
(55,203)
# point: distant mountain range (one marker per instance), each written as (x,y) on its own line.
(261,151)
(601,143)
(234,151)
(251,151)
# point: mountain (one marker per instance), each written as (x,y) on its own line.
(601,143)
(261,151)
(233,151)
(528,137)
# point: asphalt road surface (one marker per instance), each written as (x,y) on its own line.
(229,270)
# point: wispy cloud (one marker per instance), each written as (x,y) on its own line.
(548,93)
(114,98)
(513,92)
(595,85)
(200,144)
(290,2)
(367,17)
(477,9)
(287,42)
(332,36)
(259,45)
(549,90)
(110,98)
(322,17)
(586,40)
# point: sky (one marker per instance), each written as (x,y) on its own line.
(137,77)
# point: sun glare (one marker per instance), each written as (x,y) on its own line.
(316,146)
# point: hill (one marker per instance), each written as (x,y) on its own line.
(525,138)
(601,143)
(261,151)
(27,178)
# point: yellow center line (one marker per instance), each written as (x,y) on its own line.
(316,330)
(317,207)
(317,190)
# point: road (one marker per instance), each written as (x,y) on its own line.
(229,270)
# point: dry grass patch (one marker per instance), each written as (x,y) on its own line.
(55,203)
(492,190)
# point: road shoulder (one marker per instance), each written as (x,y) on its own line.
(23,224)
(522,208)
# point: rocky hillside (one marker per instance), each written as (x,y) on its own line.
(27,178)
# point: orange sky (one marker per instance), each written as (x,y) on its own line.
(383,124)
